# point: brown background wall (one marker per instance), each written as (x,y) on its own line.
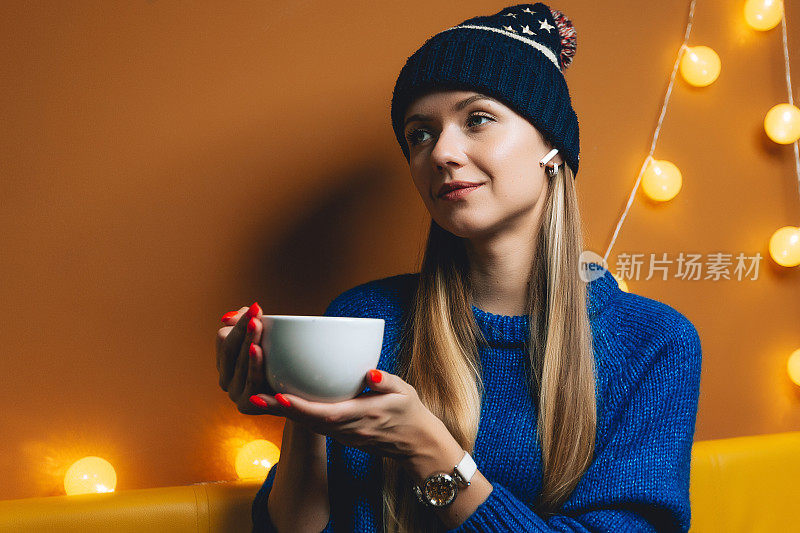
(165,162)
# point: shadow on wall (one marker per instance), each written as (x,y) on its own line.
(334,234)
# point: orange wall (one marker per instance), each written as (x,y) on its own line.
(166,162)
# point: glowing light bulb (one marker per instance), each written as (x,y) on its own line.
(661,180)
(700,65)
(255,458)
(621,282)
(784,246)
(90,474)
(793,366)
(763,15)
(782,123)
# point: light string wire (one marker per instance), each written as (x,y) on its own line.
(791,100)
(649,157)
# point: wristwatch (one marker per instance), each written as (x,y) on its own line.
(441,488)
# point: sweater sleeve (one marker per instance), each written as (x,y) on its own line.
(262,523)
(639,480)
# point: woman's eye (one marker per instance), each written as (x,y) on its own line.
(478,116)
(412,135)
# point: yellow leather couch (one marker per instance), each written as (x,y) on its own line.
(742,484)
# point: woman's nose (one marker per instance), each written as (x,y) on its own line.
(449,148)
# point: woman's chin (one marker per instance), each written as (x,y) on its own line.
(464,226)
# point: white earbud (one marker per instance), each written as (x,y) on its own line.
(550,155)
(551,170)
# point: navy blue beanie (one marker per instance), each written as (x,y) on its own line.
(517,55)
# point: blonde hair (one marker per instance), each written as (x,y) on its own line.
(439,356)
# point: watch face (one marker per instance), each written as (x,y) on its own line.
(440,489)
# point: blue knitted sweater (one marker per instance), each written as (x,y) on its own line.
(648,359)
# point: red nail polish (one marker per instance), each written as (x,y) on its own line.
(257,400)
(251,326)
(228,315)
(252,351)
(375,376)
(254,310)
(282,400)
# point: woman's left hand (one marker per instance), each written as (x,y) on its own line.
(389,420)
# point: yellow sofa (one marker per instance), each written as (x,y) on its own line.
(741,484)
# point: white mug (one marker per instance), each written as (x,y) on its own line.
(320,358)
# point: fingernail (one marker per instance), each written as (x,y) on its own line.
(251,326)
(228,315)
(282,400)
(375,376)
(252,351)
(254,310)
(258,400)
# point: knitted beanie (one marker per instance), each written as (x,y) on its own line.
(517,56)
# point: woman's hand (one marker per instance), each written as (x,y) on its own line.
(240,359)
(388,420)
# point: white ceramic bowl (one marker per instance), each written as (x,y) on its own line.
(320,358)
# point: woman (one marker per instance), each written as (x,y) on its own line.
(511,395)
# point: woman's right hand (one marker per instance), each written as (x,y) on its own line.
(240,360)
(300,487)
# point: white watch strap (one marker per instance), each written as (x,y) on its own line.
(466,468)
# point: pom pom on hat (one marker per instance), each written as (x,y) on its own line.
(569,38)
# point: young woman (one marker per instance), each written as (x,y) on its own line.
(512,393)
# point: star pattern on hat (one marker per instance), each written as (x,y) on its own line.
(545,25)
(526,29)
(546,44)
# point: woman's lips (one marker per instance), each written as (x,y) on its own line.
(457,194)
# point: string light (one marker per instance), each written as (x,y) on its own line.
(700,65)
(89,475)
(782,123)
(784,246)
(255,458)
(661,180)
(793,366)
(763,15)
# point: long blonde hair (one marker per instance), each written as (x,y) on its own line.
(438,355)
